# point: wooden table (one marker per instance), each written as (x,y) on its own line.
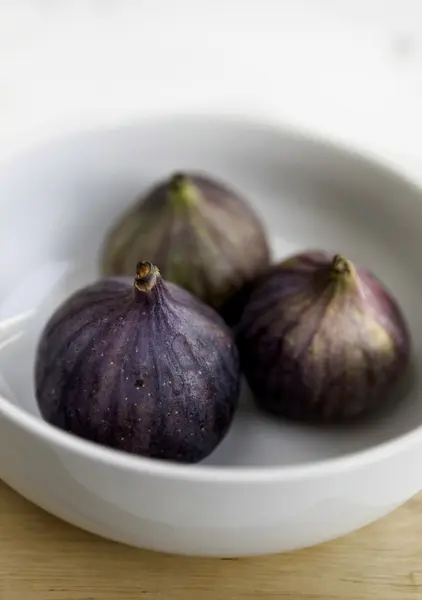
(42,558)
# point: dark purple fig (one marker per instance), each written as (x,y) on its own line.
(321,339)
(204,236)
(139,365)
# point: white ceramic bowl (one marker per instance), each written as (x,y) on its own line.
(270,486)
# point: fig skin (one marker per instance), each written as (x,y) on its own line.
(204,236)
(322,340)
(141,366)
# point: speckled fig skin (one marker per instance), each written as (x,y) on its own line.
(321,339)
(141,366)
(204,237)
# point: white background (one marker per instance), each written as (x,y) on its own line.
(349,69)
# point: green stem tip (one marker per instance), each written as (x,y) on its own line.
(182,191)
(178,181)
(341,265)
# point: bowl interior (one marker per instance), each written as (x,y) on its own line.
(58,201)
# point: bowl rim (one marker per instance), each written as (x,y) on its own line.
(47,433)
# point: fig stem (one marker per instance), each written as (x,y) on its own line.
(341,265)
(182,192)
(177,181)
(146,276)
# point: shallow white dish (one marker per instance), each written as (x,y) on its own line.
(270,486)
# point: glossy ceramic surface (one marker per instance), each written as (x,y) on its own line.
(271,486)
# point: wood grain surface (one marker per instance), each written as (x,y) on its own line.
(42,558)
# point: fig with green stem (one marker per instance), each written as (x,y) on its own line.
(322,339)
(203,236)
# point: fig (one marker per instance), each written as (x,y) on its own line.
(322,339)
(204,236)
(139,365)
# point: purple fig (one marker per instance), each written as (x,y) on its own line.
(204,236)
(321,339)
(139,365)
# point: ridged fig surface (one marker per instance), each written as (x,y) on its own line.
(321,339)
(143,367)
(203,235)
